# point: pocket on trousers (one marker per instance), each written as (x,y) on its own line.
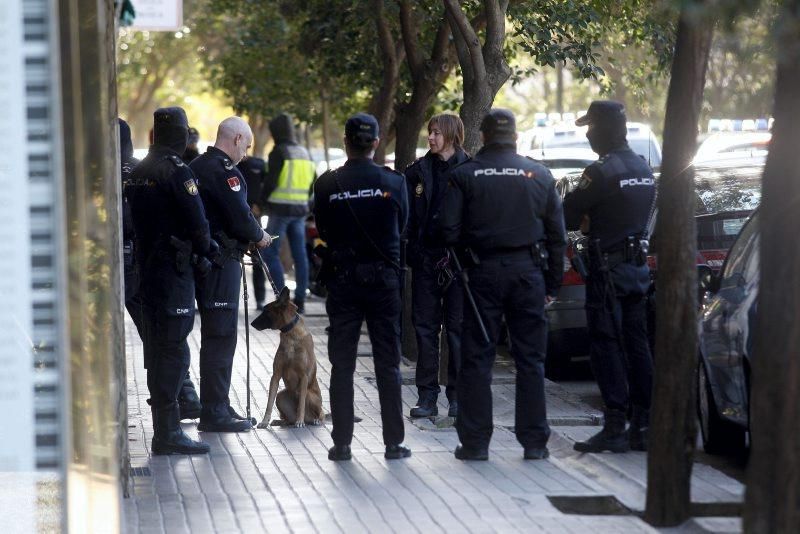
(220,289)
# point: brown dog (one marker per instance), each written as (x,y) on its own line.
(301,401)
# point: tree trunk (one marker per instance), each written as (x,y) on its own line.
(672,427)
(382,105)
(325,123)
(560,87)
(484,67)
(773,484)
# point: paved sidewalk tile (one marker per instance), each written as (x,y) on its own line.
(280,480)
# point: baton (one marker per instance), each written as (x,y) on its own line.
(465,280)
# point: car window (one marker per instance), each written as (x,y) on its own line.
(735,270)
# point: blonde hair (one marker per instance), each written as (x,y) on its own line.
(451,127)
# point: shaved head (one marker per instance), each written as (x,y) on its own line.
(234,137)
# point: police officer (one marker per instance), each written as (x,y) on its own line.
(133,299)
(191,151)
(436,296)
(254,169)
(171,229)
(361,209)
(287,188)
(612,204)
(224,193)
(505,210)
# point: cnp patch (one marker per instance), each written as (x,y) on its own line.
(234,184)
(191,187)
(418,190)
(585,182)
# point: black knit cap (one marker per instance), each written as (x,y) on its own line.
(499,126)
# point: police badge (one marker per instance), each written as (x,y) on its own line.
(418,190)
(191,187)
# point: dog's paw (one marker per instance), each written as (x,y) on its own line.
(316,422)
(300,424)
(263,424)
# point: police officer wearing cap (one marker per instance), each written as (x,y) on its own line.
(224,193)
(361,210)
(133,298)
(613,204)
(504,210)
(171,235)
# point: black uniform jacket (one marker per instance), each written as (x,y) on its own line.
(165,202)
(617,194)
(426,180)
(224,193)
(500,201)
(378,197)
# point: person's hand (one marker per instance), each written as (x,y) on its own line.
(548,299)
(266,241)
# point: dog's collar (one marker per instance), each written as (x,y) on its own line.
(291,324)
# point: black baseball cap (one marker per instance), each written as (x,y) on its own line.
(499,126)
(362,127)
(607,112)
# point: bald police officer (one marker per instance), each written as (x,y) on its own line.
(224,193)
(504,209)
(613,204)
(170,226)
(361,209)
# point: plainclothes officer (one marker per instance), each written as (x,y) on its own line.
(287,188)
(133,298)
(361,209)
(170,225)
(505,210)
(436,296)
(224,193)
(254,170)
(615,198)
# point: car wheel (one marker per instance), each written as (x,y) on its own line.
(719,436)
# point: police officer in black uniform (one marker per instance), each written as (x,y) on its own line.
(437,297)
(233,227)
(613,204)
(361,209)
(254,169)
(504,209)
(133,299)
(171,235)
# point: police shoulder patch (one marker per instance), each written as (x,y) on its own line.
(234,183)
(191,186)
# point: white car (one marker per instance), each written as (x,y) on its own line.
(640,138)
(733,145)
(562,161)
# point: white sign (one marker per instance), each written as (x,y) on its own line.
(17,430)
(158,15)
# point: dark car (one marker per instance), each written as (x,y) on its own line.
(726,328)
(727,193)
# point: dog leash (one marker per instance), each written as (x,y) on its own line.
(255,259)
(247,340)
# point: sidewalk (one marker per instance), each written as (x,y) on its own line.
(280,480)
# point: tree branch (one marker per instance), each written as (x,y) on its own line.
(469,47)
(408,28)
(495,31)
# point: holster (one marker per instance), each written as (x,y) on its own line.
(228,249)
(183,253)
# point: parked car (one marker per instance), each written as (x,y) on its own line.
(727,194)
(563,161)
(726,327)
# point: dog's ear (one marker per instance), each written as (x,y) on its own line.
(262,322)
(283,298)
